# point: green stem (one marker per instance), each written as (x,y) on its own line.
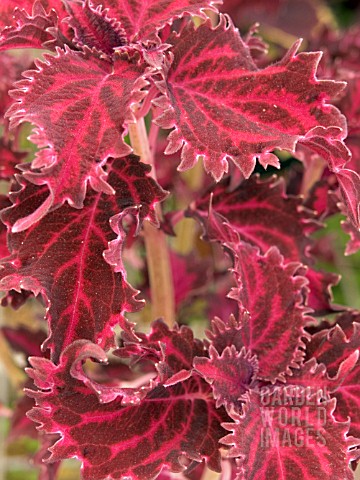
(157,253)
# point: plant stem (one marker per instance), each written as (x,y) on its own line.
(157,253)
(312,173)
(210,475)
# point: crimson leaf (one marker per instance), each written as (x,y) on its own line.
(272,294)
(223,107)
(278,439)
(264,215)
(141,20)
(171,427)
(9,159)
(93,28)
(334,349)
(79,104)
(230,374)
(31,31)
(61,255)
(173,351)
(7,8)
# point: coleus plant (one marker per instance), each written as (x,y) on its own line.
(272,390)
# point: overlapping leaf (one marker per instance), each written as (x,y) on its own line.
(230,374)
(276,438)
(189,274)
(171,427)
(10,70)
(30,31)
(93,28)
(79,104)
(223,107)
(4,251)
(61,255)
(173,351)
(7,8)
(272,293)
(9,158)
(335,348)
(142,19)
(264,215)
(353,245)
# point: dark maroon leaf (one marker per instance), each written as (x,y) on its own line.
(230,374)
(171,427)
(338,351)
(349,182)
(10,70)
(223,107)
(21,425)
(79,104)
(353,244)
(322,198)
(173,350)
(9,158)
(93,28)
(61,255)
(189,275)
(13,298)
(30,31)
(284,436)
(332,346)
(225,333)
(320,295)
(7,8)
(24,340)
(142,20)
(264,215)
(272,293)
(4,251)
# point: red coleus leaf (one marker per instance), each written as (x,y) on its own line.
(30,31)
(272,294)
(344,386)
(347,394)
(10,70)
(171,427)
(225,333)
(282,436)
(61,255)
(21,425)
(189,276)
(322,197)
(230,374)
(339,352)
(9,159)
(332,347)
(142,20)
(264,215)
(24,340)
(7,8)
(223,107)
(353,244)
(173,351)
(320,295)
(349,182)
(93,28)
(79,104)
(4,251)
